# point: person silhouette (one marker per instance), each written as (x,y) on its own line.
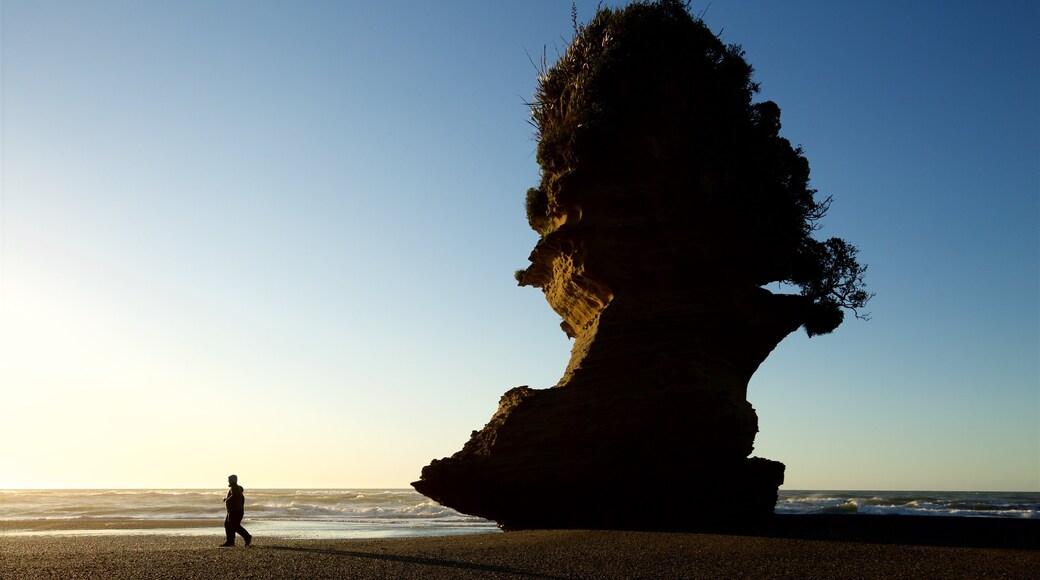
(235,502)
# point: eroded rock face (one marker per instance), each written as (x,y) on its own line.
(653,400)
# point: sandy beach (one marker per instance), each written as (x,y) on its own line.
(828,548)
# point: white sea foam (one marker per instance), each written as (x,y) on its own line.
(401,512)
(963,504)
(294,513)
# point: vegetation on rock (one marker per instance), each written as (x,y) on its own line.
(648,94)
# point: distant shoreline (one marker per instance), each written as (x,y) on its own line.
(796,546)
(106,524)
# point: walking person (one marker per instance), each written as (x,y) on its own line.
(235,502)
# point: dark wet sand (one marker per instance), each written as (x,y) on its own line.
(791,547)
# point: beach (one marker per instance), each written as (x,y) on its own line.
(793,547)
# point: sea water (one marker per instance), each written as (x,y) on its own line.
(912,503)
(380,513)
(286,513)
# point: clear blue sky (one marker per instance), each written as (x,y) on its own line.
(277,238)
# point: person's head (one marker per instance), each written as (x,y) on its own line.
(232,480)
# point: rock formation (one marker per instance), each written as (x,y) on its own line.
(667,201)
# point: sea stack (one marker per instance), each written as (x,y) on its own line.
(667,201)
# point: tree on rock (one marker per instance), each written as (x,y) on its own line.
(649,94)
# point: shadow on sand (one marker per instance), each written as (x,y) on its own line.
(417,560)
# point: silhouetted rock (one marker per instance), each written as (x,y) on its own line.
(667,200)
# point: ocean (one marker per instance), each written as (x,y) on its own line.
(986,504)
(380,513)
(286,513)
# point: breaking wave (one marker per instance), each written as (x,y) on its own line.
(297,505)
(963,504)
(325,513)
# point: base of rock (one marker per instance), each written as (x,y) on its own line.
(585,457)
(714,495)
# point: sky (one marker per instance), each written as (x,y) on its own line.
(278,238)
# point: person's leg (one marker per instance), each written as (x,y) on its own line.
(229,531)
(245,534)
